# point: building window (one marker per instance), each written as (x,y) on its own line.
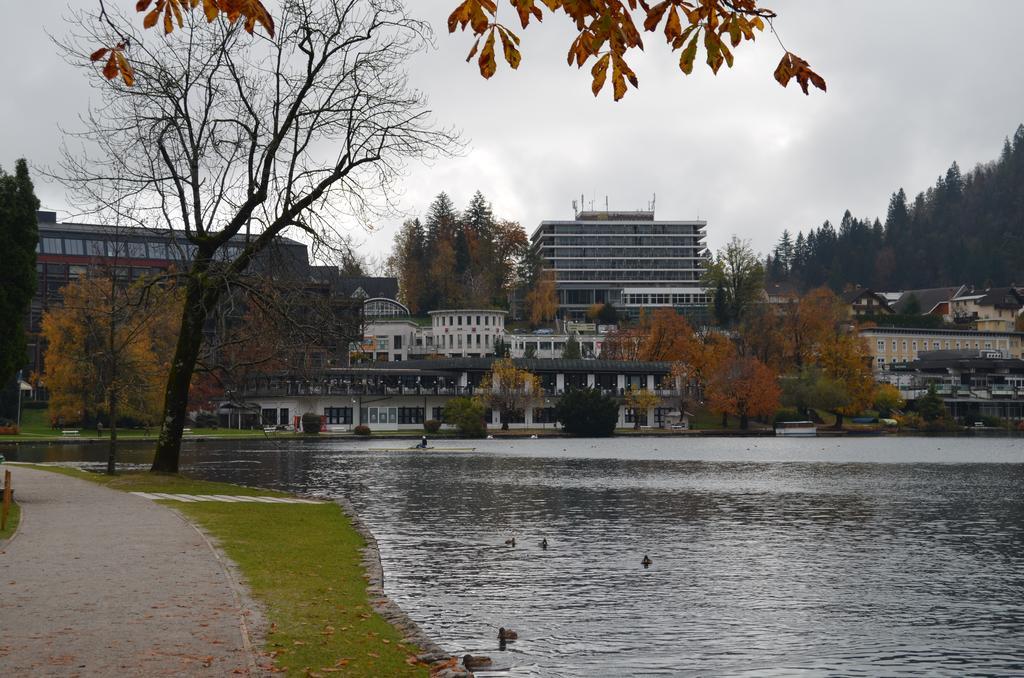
(881,345)
(338,415)
(283,419)
(437,414)
(137,250)
(74,246)
(543,415)
(398,342)
(52,246)
(459,320)
(487,320)
(269,416)
(478,320)
(880,361)
(410,415)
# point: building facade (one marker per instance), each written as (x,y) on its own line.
(626,259)
(971,383)
(67,251)
(402,395)
(901,345)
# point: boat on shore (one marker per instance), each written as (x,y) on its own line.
(796,429)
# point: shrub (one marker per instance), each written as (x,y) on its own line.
(587,412)
(910,420)
(467,415)
(206,420)
(941,425)
(8,430)
(311,423)
(362,430)
(431,426)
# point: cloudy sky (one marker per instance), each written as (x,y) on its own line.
(913,85)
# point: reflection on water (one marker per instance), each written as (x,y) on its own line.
(881,556)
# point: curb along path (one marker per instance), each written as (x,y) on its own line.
(101,582)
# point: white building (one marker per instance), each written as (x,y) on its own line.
(461,333)
(467,333)
(626,259)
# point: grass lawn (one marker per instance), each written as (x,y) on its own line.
(35,425)
(303,563)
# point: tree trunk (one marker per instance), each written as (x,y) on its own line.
(112,449)
(725,420)
(505,415)
(744,421)
(839,421)
(186,354)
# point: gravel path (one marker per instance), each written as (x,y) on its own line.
(98,582)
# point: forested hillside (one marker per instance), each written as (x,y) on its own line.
(457,260)
(967,228)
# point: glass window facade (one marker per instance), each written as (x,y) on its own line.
(602,257)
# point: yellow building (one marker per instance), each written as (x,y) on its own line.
(889,345)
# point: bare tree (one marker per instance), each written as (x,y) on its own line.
(238,139)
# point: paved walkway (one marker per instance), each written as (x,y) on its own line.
(98,582)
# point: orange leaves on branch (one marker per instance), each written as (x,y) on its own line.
(793,66)
(478,15)
(116,65)
(251,12)
(607,33)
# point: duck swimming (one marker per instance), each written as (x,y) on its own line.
(475,661)
(510,542)
(507,634)
(646,562)
(544,543)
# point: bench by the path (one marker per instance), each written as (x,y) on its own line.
(101,582)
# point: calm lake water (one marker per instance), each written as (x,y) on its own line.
(875,556)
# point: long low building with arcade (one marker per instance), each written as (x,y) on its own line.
(396,396)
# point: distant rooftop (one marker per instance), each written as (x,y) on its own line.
(605,215)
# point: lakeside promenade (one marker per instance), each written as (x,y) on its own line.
(102,582)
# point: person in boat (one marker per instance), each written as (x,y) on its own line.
(423,443)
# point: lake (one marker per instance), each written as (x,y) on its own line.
(859,556)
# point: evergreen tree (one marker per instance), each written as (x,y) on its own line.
(571,351)
(18,236)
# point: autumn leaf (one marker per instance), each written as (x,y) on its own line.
(689,55)
(599,73)
(509,43)
(791,66)
(526,9)
(488,65)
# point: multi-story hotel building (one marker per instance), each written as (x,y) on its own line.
(901,345)
(626,259)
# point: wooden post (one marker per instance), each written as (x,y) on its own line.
(7,499)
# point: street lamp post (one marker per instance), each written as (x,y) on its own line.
(19,400)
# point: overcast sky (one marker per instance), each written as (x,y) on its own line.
(913,85)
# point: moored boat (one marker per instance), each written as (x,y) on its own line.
(803,429)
